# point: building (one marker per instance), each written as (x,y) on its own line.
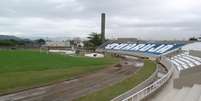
(57,45)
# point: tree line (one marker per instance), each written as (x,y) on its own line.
(93,41)
(13,42)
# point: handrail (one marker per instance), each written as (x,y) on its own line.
(149,89)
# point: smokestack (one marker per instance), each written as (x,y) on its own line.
(103,27)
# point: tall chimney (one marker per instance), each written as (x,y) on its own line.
(103,27)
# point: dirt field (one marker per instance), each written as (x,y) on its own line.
(69,90)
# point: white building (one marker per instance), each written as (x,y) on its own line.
(58,44)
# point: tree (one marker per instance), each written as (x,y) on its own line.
(193,39)
(7,43)
(94,40)
(40,41)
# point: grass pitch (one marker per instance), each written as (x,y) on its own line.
(113,91)
(25,69)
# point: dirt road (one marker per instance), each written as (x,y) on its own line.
(69,90)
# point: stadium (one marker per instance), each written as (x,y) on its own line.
(99,68)
(176,74)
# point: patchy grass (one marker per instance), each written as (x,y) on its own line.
(110,92)
(22,69)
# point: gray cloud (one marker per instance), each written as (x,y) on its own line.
(146,19)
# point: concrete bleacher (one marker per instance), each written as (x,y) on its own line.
(186,87)
(185,61)
(153,49)
(189,68)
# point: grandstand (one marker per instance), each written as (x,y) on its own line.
(182,79)
(185,61)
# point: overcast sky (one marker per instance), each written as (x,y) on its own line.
(144,19)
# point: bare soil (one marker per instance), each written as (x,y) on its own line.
(70,90)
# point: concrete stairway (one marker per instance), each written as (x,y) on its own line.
(193,94)
(181,94)
(184,94)
(169,93)
(200,98)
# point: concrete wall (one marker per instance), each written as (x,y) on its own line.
(166,63)
(190,71)
(188,80)
(188,77)
(173,53)
(195,53)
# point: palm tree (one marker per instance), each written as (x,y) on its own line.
(94,40)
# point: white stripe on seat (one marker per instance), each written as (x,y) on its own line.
(197,58)
(193,60)
(188,62)
(182,63)
(177,65)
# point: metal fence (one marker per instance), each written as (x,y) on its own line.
(149,89)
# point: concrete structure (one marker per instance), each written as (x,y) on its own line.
(196,46)
(127,39)
(103,27)
(195,53)
(139,48)
(183,66)
(58,44)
